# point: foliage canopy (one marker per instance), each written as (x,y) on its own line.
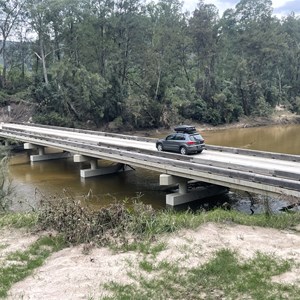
(148,65)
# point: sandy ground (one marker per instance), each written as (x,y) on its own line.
(70,274)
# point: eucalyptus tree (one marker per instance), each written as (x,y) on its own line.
(251,11)
(18,59)
(94,34)
(10,15)
(290,76)
(120,23)
(163,62)
(203,28)
(256,54)
(38,17)
(73,96)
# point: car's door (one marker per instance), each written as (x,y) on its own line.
(178,141)
(169,143)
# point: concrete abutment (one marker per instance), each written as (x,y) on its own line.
(96,170)
(42,156)
(183,195)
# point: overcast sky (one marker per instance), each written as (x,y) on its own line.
(281,7)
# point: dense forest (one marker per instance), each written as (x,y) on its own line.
(145,65)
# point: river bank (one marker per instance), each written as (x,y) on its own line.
(281,116)
(75,273)
(22,112)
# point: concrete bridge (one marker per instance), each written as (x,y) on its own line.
(218,168)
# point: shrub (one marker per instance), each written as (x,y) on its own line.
(80,224)
(6,188)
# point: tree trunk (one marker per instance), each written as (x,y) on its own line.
(158,81)
(3,77)
(43,58)
(280,86)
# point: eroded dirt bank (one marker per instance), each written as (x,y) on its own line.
(70,274)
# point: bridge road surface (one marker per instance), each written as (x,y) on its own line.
(256,164)
(207,155)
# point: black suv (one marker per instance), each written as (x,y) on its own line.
(185,140)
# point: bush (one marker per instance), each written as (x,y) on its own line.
(296,105)
(52,118)
(6,188)
(4,99)
(195,110)
(261,108)
(115,224)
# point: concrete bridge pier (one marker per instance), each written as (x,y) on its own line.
(183,195)
(42,153)
(96,170)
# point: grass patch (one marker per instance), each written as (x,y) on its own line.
(3,246)
(20,264)
(224,277)
(18,220)
(278,221)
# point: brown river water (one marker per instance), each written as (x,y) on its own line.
(35,181)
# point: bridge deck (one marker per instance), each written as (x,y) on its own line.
(255,171)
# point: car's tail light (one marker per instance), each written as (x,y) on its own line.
(190,143)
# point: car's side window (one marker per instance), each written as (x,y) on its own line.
(179,137)
(170,137)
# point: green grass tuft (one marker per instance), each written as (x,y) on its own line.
(224,277)
(18,220)
(20,264)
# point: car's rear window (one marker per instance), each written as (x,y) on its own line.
(196,137)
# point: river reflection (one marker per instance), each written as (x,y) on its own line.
(34,181)
(61,178)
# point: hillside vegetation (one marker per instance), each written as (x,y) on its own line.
(135,65)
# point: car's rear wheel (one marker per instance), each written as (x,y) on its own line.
(160,147)
(183,150)
(200,151)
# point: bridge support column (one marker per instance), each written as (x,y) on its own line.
(95,170)
(44,156)
(184,196)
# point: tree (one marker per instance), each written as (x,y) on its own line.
(290,73)
(253,11)
(10,12)
(74,95)
(203,27)
(37,11)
